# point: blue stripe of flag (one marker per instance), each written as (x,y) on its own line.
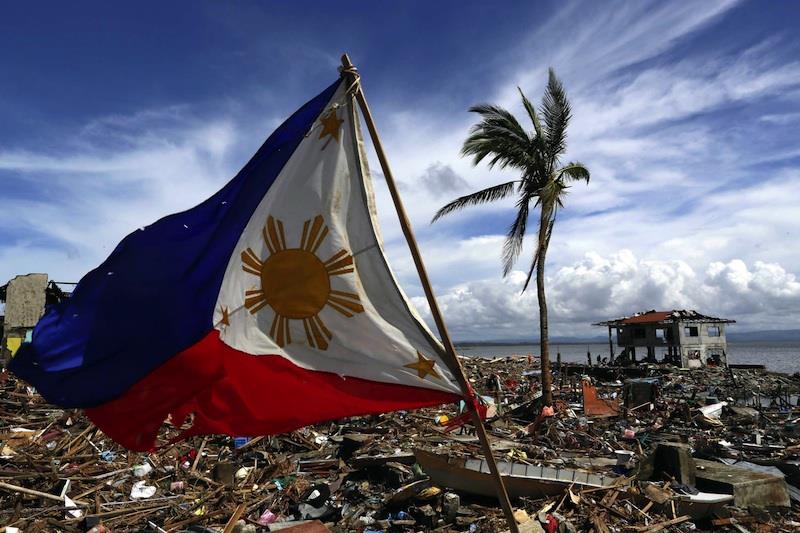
(155,294)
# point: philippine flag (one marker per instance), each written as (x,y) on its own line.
(268,307)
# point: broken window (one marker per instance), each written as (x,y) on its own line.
(713,331)
(690,331)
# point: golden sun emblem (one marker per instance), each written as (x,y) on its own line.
(296,284)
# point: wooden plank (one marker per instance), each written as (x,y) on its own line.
(661,525)
(234,518)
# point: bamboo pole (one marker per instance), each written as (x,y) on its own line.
(31,492)
(454,364)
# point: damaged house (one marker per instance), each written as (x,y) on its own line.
(25,298)
(686,339)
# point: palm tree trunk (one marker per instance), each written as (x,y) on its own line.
(544,344)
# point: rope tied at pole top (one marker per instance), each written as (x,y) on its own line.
(352,71)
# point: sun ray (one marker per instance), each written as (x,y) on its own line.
(286,330)
(273,236)
(312,234)
(316,235)
(349,270)
(320,239)
(304,238)
(252,264)
(255,300)
(321,324)
(342,266)
(266,240)
(309,337)
(316,332)
(282,235)
(345,294)
(336,256)
(273,329)
(280,330)
(341,310)
(317,341)
(342,301)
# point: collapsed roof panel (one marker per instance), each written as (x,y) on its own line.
(664,317)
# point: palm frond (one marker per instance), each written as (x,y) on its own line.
(481,197)
(556,112)
(498,135)
(549,195)
(537,125)
(498,139)
(516,235)
(574,171)
(496,117)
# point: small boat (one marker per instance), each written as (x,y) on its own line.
(700,505)
(521,479)
(697,506)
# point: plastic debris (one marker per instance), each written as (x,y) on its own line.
(141,490)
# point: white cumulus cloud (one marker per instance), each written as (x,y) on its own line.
(595,288)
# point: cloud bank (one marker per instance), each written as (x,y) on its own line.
(691,140)
(761,295)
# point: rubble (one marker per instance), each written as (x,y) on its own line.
(646,462)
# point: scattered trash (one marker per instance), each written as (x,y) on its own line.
(142,470)
(521,516)
(267,518)
(72,510)
(141,490)
(629,469)
(593,405)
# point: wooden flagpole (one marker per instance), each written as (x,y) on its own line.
(350,73)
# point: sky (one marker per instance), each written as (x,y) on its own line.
(687,114)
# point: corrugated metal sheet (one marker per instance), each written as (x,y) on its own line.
(647,318)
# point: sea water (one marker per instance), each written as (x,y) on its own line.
(778,356)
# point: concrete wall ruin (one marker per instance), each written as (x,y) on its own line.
(25,300)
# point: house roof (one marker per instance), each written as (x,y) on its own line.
(664,317)
(647,318)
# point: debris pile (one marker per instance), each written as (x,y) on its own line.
(670,450)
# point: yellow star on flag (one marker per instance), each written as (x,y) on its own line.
(226,317)
(330,125)
(424,367)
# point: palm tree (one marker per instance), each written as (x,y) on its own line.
(543,183)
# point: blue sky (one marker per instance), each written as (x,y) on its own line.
(113,115)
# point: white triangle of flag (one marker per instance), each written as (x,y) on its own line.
(309,280)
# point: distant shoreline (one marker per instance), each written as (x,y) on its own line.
(470,344)
(776,355)
(785,335)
